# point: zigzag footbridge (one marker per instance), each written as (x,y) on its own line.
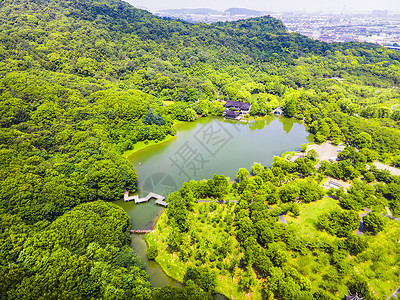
(160,200)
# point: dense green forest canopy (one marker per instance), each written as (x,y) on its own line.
(280,235)
(83,81)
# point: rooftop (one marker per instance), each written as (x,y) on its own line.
(231,114)
(237,105)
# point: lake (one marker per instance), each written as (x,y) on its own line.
(201,149)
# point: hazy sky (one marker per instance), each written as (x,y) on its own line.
(274,5)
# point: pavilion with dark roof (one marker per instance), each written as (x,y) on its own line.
(236,109)
(230,114)
(240,106)
(353,297)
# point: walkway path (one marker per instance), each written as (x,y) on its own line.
(393,171)
(361,229)
(395,295)
(282,219)
(209,201)
(160,200)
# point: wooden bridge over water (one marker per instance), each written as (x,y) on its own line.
(160,200)
(141,231)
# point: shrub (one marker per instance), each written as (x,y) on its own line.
(152,252)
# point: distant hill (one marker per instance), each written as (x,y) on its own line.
(142,7)
(245,12)
(194,11)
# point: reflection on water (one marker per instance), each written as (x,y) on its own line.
(213,146)
(156,274)
(287,124)
(142,215)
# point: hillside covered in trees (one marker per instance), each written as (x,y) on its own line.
(83,81)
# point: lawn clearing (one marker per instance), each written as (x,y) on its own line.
(309,213)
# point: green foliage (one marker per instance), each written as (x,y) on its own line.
(80,255)
(374,222)
(310,191)
(202,277)
(152,252)
(339,223)
(312,154)
(100,222)
(191,291)
(355,244)
(151,118)
(290,106)
(363,140)
(360,286)
(242,175)
(256,168)
(266,247)
(289,192)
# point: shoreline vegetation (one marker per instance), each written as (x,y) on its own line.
(142,145)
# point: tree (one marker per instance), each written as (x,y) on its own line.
(363,140)
(339,223)
(310,191)
(190,115)
(295,209)
(152,252)
(247,281)
(107,180)
(355,244)
(152,118)
(242,175)
(203,277)
(289,192)
(321,295)
(374,222)
(360,286)
(290,105)
(218,186)
(312,154)
(256,168)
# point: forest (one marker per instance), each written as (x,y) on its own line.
(277,234)
(84,81)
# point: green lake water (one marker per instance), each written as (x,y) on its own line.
(201,149)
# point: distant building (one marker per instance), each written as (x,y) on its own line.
(278,111)
(234,109)
(240,106)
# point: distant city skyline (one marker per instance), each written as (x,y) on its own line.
(282,5)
